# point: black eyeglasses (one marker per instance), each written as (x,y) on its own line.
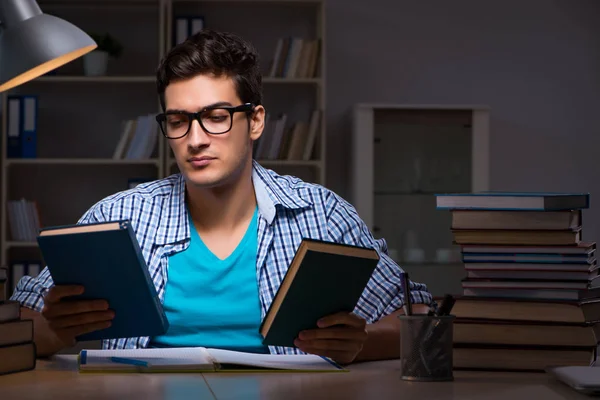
(214,120)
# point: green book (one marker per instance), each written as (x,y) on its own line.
(324,278)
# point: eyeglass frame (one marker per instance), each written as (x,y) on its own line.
(162,117)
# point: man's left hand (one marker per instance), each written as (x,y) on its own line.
(340,337)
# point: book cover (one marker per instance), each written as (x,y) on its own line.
(106,259)
(541,201)
(323,278)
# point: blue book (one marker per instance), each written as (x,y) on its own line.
(540,201)
(106,259)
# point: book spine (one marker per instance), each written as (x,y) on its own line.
(157,304)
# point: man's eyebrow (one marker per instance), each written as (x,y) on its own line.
(217,104)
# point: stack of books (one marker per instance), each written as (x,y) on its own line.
(17,349)
(531,295)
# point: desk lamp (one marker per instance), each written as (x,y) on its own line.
(33,43)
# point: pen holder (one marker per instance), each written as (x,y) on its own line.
(426,347)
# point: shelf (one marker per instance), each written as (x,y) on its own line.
(312,2)
(79,161)
(96,79)
(314,81)
(152,79)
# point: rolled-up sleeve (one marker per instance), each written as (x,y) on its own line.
(30,291)
(383,294)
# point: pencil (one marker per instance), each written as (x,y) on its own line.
(404,281)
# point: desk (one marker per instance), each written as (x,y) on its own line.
(59,379)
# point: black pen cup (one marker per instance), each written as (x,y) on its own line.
(426,347)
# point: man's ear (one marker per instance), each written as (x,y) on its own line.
(257,122)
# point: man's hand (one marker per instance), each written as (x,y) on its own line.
(68,319)
(340,337)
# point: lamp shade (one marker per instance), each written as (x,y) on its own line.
(33,43)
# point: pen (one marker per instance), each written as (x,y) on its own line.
(446,306)
(130,361)
(406,289)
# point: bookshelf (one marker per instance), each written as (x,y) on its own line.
(402,155)
(297,97)
(79,118)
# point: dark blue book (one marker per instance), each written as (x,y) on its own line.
(105,258)
(323,278)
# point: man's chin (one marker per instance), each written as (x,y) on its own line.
(202,179)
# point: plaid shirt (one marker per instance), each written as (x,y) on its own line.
(289,209)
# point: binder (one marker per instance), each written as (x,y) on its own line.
(29,127)
(13,143)
(22,126)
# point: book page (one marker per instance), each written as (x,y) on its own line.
(180,358)
(228,359)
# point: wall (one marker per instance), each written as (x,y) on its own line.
(536,63)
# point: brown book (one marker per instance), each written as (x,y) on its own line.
(503,271)
(522,309)
(582,249)
(10,310)
(323,278)
(519,358)
(17,358)
(524,333)
(517,237)
(517,220)
(16,332)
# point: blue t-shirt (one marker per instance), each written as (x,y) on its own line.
(211,302)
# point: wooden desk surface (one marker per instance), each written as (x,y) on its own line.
(379,380)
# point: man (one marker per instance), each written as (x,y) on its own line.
(219,236)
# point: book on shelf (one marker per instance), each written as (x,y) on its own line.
(138,138)
(22,121)
(283,141)
(295,57)
(23,219)
(198,359)
(323,278)
(133,296)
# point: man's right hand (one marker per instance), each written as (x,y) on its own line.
(68,319)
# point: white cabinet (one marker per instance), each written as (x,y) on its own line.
(402,155)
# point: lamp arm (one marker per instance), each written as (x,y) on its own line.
(15,11)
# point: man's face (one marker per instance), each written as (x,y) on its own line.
(211,160)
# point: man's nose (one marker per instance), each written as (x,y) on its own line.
(197,136)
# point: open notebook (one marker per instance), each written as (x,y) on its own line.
(198,359)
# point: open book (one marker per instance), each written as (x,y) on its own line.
(198,359)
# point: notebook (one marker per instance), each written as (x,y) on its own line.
(581,378)
(198,359)
(105,258)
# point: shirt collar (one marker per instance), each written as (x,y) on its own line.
(270,193)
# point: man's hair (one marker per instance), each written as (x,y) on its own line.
(218,53)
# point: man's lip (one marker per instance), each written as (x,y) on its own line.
(200,158)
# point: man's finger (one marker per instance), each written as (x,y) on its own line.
(81,319)
(53,310)
(350,319)
(56,293)
(342,333)
(87,328)
(329,345)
